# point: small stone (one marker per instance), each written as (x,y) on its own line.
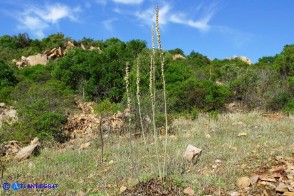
(85,145)
(282,188)
(253,180)
(268,184)
(208,136)
(111,162)
(234,193)
(243,182)
(268,179)
(242,134)
(218,161)
(188,191)
(122,189)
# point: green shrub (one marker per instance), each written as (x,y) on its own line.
(204,95)
(7,77)
(5,93)
(279,101)
(194,114)
(106,107)
(289,107)
(42,109)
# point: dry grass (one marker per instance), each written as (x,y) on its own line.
(80,170)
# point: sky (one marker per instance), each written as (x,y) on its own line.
(215,28)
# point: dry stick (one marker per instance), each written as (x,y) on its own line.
(138,99)
(101,138)
(129,120)
(163,84)
(152,88)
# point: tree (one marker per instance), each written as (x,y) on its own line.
(54,41)
(23,40)
(176,51)
(198,60)
(134,47)
(285,61)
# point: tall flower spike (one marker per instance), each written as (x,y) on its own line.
(164,86)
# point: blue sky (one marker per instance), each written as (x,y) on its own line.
(215,28)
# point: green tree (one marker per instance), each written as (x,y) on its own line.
(285,61)
(176,51)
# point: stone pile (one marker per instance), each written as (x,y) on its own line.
(86,122)
(83,122)
(275,180)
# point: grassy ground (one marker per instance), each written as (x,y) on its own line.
(76,170)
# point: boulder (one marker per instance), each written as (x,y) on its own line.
(37,59)
(69,44)
(192,153)
(178,56)
(27,151)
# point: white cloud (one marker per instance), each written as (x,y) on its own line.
(201,24)
(34,24)
(129,2)
(53,14)
(168,15)
(37,19)
(108,24)
(148,16)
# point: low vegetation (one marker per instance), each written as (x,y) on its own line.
(226,156)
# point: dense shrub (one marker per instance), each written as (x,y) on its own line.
(42,109)
(7,77)
(203,95)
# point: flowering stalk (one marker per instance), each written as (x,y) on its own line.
(138,99)
(163,84)
(152,89)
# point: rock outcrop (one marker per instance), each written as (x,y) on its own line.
(242,58)
(52,54)
(178,56)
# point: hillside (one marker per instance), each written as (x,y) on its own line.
(98,109)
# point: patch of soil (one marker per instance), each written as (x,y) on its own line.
(154,187)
